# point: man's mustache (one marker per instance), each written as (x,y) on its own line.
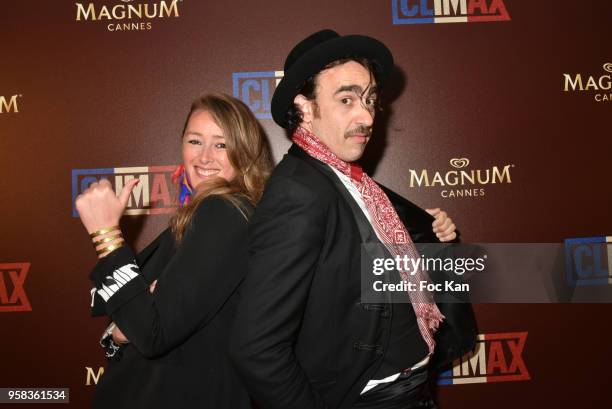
(362,130)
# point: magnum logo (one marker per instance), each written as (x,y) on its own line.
(9,104)
(138,11)
(12,290)
(579,83)
(495,358)
(155,194)
(91,377)
(468,181)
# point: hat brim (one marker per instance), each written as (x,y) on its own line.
(315,59)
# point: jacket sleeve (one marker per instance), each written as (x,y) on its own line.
(98,305)
(285,235)
(206,269)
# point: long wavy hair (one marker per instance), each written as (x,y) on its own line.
(248,152)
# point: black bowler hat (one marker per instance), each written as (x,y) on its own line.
(312,54)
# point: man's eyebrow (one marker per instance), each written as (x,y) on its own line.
(356,89)
(351,88)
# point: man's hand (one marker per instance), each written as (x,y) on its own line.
(99,207)
(443,226)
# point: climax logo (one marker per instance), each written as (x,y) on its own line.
(9,105)
(12,292)
(448,11)
(255,89)
(588,261)
(495,358)
(155,194)
(124,11)
(460,177)
(591,83)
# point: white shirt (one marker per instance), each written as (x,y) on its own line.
(350,186)
(352,189)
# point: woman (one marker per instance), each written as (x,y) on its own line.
(173,303)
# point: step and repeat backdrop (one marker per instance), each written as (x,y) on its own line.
(516,94)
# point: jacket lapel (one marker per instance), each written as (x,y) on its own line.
(372,245)
(365,228)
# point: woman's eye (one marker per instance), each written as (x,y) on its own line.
(371,102)
(220,145)
(194,142)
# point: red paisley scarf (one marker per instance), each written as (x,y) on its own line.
(388,226)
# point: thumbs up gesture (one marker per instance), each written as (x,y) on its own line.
(99,207)
(443,225)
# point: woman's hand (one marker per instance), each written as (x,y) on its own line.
(118,337)
(100,208)
(152,286)
(443,226)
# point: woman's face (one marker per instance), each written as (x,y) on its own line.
(204,151)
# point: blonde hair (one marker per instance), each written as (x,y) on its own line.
(247,150)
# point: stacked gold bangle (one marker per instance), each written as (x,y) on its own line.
(107,240)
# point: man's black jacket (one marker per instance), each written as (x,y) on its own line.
(300,326)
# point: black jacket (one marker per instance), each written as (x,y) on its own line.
(300,331)
(178,335)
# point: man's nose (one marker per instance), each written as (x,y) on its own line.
(366,115)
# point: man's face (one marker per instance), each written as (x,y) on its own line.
(342,112)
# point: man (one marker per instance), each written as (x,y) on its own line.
(302,337)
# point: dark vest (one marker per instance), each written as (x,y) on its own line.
(406,345)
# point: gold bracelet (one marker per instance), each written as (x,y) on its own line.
(111,247)
(107,239)
(103,231)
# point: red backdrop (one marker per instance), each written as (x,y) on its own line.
(86,93)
